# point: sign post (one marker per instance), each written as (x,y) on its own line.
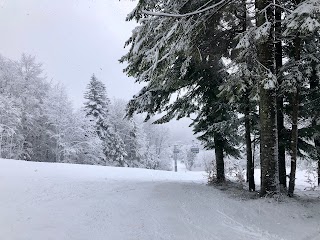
(194,148)
(175,157)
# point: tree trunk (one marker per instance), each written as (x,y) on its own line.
(247,122)
(317,145)
(250,166)
(314,88)
(218,143)
(268,108)
(281,144)
(294,131)
(294,142)
(268,143)
(318,168)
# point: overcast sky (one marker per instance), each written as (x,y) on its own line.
(74,39)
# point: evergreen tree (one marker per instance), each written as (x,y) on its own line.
(176,38)
(169,61)
(97,110)
(97,105)
(267,104)
(301,35)
(128,131)
(241,86)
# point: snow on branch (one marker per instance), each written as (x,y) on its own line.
(304,20)
(162,14)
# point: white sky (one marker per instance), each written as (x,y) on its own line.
(73,39)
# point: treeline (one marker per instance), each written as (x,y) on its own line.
(38,123)
(248,70)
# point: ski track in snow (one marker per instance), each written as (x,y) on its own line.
(46,201)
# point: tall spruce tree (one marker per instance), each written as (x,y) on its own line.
(128,130)
(97,109)
(175,37)
(163,55)
(301,30)
(240,88)
(268,110)
(280,113)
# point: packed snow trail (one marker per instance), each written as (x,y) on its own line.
(47,201)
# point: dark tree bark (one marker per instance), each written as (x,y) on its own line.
(250,166)
(247,120)
(268,142)
(294,130)
(280,123)
(318,164)
(317,145)
(281,145)
(314,85)
(247,124)
(218,144)
(268,108)
(294,142)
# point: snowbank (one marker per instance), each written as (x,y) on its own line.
(45,201)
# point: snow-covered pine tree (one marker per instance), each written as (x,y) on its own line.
(128,131)
(97,105)
(240,89)
(163,55)
(301,36)
(155,151)
(132,144)
(82,145)
(190,159)
(72,138)
(216,121)
(172,37)
(113,147)
(97,109)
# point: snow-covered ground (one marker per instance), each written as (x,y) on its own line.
(44,201)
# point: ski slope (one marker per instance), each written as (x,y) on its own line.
(48,201)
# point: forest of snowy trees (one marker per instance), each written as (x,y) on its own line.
(246,73)
(38,123)
(248,70)
(217,136)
